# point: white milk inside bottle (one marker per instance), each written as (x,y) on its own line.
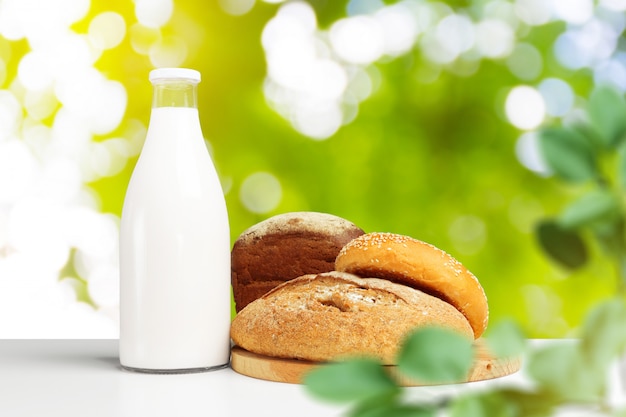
(174,242)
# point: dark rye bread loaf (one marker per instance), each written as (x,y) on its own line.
(285,247)
(321,317)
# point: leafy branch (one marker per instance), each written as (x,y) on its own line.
(591,154)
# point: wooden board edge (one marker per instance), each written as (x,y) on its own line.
(292,371)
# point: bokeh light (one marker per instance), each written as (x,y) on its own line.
(40,22)
(575,12)
(525,62)
(611,72)
(107,30)
(372,81)
(468,234)
(399,28)
(358,39)
(99,103)
(614,5)
(142,38)
(528,153)
(260,192)
(237,7)
(525,107)
(318,119)
(373,30)
(34,71)
(533,12)
(456,34)
(18,170)
(153,13)
(55,118)
(582,47)
(494,38)
(40,104)
(557,95)
(10,114)
(169,51)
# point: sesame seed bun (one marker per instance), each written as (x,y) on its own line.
(419,265)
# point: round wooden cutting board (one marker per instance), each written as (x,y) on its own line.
(292,371)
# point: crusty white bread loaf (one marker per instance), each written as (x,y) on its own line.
(284,247)
(419,265)
(321,317)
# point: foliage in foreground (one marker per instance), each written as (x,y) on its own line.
(561,374)
(591,154)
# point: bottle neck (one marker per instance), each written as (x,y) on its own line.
(175,93)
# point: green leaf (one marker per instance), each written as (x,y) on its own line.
(610,235)
(352,380)
(530,404)
(568,154)
(505,402)
(506,339)
(595,206)
(604,334)
(486,404)
(563,370)
(564,246)
(607,111)
(468,406)
(393,410)
(436,355)
(375,405)
(591,135)
(621,165)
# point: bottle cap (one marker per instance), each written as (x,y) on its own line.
(174,74)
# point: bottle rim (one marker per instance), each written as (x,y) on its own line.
(174,74)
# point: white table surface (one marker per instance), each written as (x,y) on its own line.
(66,378)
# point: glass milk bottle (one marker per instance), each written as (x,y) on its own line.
(174,242)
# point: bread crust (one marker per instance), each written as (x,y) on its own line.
(420,265)
(323,317)
(284,247)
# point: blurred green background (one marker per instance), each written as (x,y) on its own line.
(399,116)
